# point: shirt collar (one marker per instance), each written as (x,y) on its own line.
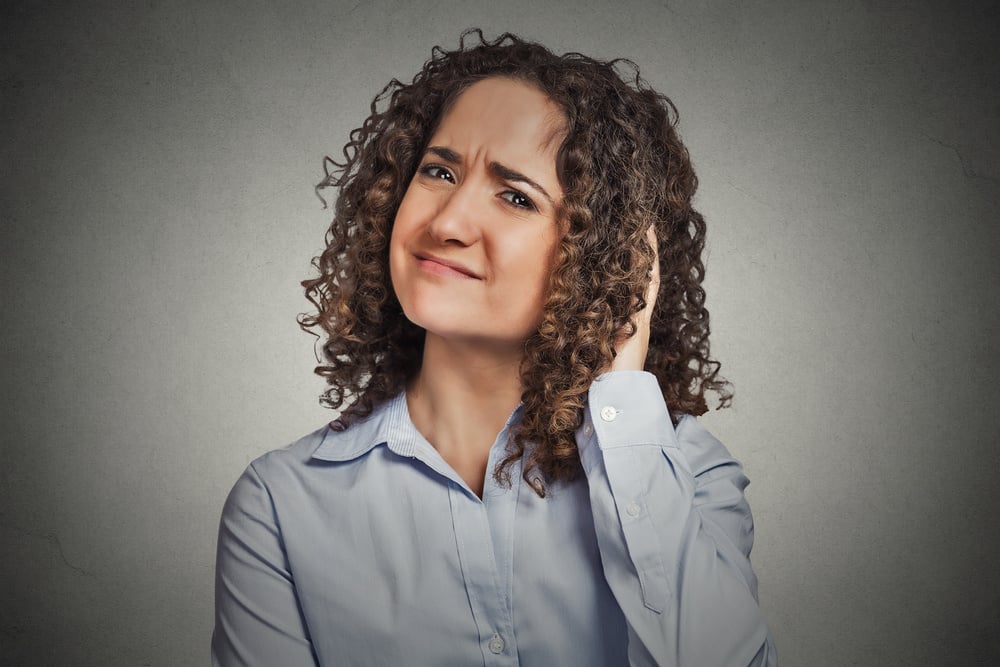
(383,426)
(389,424)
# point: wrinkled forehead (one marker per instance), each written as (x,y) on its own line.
(554,120)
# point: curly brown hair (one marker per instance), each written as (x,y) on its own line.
(622,167)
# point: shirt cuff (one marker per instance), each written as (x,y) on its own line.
(624,409)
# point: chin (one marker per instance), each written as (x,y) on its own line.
(466,330)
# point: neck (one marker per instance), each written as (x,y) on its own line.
(461,399)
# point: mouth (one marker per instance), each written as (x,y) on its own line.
(444,267)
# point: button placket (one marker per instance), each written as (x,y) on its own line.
(479,570)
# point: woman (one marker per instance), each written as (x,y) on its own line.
(511,300)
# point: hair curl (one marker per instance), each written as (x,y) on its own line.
(622,167)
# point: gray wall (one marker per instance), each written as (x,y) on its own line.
(157,213)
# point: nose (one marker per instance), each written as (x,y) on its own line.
(456,220)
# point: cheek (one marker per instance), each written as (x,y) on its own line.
(397,254)
(397,276)
(399,231)
(408,219)
(531,261)
(545,246)
(547,262)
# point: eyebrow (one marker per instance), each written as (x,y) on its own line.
(497,169)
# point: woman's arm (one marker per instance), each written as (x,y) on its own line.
(673,528)
(258,620)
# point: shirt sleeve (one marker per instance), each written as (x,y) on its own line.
(258,619)
(673,528)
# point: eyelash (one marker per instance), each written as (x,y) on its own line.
(438,172)
(428,170)
(527,206)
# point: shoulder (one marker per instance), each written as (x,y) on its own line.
(276,469)
(331,444)
(291,459)
(314,463)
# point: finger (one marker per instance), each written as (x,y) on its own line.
(654,274)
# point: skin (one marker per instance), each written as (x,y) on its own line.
(631,352)
(471,250)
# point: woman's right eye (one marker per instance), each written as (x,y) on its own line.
(437,171)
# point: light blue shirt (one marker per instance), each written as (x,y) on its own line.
(364,547)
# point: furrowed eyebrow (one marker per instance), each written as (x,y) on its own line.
(445,154)
(508,174)
(497,169)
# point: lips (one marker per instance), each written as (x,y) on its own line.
(446,267)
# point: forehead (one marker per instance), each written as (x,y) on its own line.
(503,111)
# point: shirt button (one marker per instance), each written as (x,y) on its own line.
(496,644)
(608,413)
(633,509)
(587,429)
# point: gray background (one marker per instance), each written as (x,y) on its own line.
(157,214)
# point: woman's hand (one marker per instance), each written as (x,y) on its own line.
(632,350)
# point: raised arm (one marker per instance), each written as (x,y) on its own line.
(673,528)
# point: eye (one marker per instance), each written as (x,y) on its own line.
(518,199)
(437,171)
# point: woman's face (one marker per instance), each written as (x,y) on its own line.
(474,238)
